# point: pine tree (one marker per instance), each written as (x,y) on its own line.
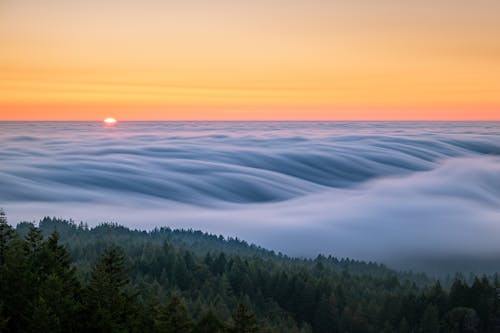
(174,317)
(33,241)
(181,273)
(219,264)
(326,316)
(346,320)
(16,284)
(6,235)
(458,296)
(34,252)
(59,258)
(109,305)
(44,319)
(209,323)
(61,295)
(404,327)
(430,320)
(243,321)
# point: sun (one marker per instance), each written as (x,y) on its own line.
(110,121)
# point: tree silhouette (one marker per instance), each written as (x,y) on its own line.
(109,303)
(6,235)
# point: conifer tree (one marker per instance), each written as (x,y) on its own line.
(34,252)
(16,290)
(174,317)
(44,319)
(243,321)
(209,323)
(6,235)
(109,305)
(404,327)
(326,316)
(430,320)
(57,287)
(33,241)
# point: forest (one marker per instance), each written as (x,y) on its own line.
(60,276)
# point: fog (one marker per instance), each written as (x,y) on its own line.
(412,195)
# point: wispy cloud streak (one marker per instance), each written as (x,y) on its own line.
(383,191)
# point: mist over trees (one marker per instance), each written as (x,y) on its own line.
(63,277)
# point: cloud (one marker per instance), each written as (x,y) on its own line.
(402,193)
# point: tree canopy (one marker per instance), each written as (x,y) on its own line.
(63,277)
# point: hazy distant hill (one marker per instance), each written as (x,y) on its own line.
(86,243)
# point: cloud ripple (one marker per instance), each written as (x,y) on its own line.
(369,190)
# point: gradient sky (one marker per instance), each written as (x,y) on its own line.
(259,59)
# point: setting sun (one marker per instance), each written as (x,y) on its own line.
(110,121)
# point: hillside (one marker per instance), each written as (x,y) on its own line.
(112,279)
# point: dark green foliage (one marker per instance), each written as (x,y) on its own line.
(209,323)
(326,316)
(430,320)
(462,319)
(58,289)
(6,236)
(63,277)
(174,317)
(109,306)
(3,320)
(404,327)
(243,321)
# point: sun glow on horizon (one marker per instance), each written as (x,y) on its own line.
(110,121)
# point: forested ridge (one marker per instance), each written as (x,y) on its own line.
(59,276)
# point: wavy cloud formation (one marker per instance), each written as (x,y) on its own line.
(403,193)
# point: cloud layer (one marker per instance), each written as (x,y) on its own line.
(396,192)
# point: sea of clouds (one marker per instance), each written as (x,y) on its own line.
(412,195)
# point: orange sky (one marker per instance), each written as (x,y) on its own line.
(259,59)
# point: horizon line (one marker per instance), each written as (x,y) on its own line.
(252,120)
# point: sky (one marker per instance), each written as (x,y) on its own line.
(250,60)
